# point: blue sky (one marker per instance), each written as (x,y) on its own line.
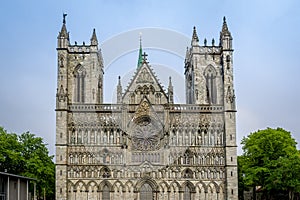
(266,43)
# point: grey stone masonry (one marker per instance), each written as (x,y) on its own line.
(145,146)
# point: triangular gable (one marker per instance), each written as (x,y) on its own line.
(143,83)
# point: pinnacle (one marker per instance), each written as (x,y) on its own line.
(195,36)
(224,27)
(170,81)
(94,40)
(64,33)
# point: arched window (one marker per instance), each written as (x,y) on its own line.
(187,173)
(146,192)
(105,172)
(132,98)
(189,82)
(79,83)
(187,193)
(211,87)
(105,193)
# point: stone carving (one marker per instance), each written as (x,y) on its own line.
(230,97)
(146,137)
(144,77)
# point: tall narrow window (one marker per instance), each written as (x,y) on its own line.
(211,87)
(105,193)
(79,83)
(187,193)
(146,192)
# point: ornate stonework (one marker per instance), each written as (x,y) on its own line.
(146,147)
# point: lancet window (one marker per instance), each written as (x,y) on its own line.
(79,74)
(211,87)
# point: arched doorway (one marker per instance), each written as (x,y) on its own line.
(187,193)
(106,193)
(146,192)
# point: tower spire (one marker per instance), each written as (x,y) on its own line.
(225,36)
(64,33)
(119,91)
(94,40)
(140,59)
(225,30)
(63,36)
(195,38)
(170,91)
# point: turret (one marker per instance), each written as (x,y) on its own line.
(63,36)
(225,37)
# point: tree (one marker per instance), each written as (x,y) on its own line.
(267,156)
(241,176)
(27,155)
(38,163)
(286,175)
(11,159)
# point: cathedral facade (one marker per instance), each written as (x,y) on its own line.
(144,146)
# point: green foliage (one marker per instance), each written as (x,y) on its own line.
(10,153)
(27,155)
(270,160)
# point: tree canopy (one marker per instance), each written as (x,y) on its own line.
(270,161)
(27,155)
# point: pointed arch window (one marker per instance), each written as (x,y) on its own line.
(106,193)
(146,192)
(79,83)
(187,193)
(190,91)
(210,74)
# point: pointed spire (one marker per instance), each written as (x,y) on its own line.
(170,81)
(170,91)
(64,32)
(225,30)
(119,91)
(119,81)
(140,59)
(94,40)
(225,36)
(195,36)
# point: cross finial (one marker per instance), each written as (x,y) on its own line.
(145,56)
(64,17)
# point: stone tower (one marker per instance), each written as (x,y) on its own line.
(145,146)
(79,81)
(209,81)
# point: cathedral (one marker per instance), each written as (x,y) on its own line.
(145,146)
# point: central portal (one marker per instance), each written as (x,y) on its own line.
(146,192)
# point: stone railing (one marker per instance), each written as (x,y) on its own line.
(133,107)
(95,107)
(196,108)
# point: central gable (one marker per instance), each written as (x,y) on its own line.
(144,84)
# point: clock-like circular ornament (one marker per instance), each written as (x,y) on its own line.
(146,134)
